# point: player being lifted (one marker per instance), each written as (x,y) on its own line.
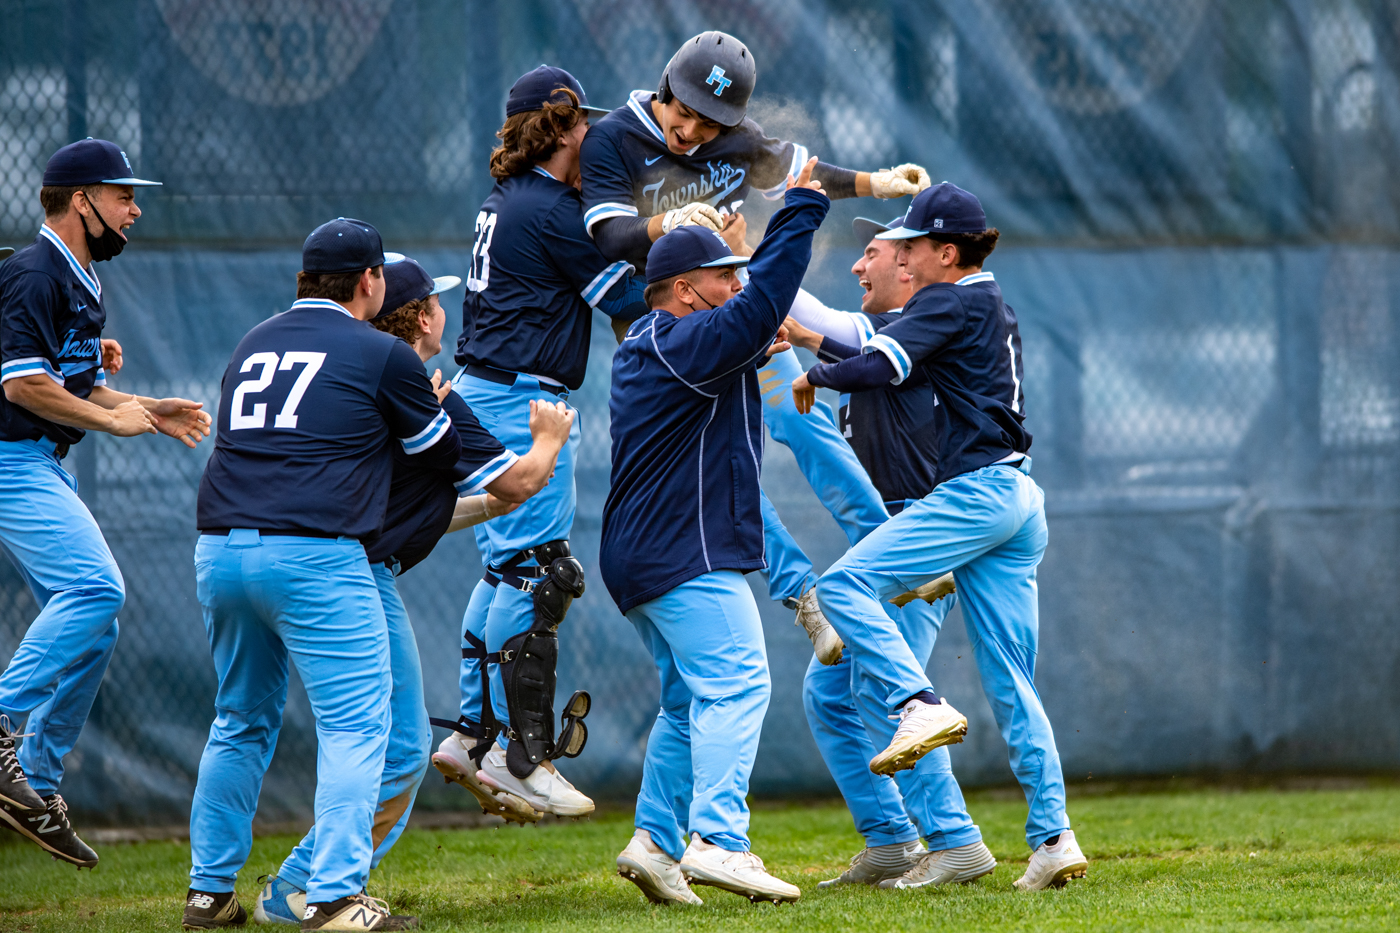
(536,277)
(984,521)
(424,504)
(687,154)
(55,390)
(893,430)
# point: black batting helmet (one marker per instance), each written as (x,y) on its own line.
(712,74)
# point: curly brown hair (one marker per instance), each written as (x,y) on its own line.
(973,248)
(403,322)
(533,136)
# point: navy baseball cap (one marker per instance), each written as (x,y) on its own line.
(91,162)
(866,228)
(342,245)
(687,248)
(405,280)
(534,89)
(942,208)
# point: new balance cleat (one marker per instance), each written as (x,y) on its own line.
(206,911)
(279,902)
(1054,866)
(356,912)
(454,761)
(825,642)
(15,791)
(656,873)
(739,873)
(545,790)
(50,830)
(947,866)
(875,864)
(930,592)
(922,728)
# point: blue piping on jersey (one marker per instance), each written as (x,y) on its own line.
(605,210)
(799,159)
(700,467)
(975,278)
(29,366)
(545,173)
(326,303)
(891,348)
(603,281)
(87,277)
(101,379)
(487,474)
(428,436)
(640,103)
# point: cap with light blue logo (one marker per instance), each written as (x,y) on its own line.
(942,208)
(687,248)
(405,280)
(91,162)
(342,245)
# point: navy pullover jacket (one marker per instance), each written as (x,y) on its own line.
(687,427)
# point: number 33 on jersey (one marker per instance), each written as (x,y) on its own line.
(313,385)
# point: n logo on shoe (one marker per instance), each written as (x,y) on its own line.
(43,821)
(364,918)
(201,901)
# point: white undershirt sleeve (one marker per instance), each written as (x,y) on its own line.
(841,326)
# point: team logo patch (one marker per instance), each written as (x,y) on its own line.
(718,79)
(201,901)
(938,223)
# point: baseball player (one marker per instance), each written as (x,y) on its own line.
(687,154)
(424,504)
(311,403)
(536,278)
(984,521)
(55,390)
(891,430)
(682,524)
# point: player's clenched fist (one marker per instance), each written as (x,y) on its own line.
(899,181)
(692,214)
(551,421)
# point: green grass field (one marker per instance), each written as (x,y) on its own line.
(1198,859)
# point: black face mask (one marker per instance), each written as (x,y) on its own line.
(109,244)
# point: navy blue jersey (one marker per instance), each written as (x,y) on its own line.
(891,429)
(629,172)
(422,499)
(311,401)
(536,275)
(51,320)
(966,340)
(687,426)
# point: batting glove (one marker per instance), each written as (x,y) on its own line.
(899,181)
(693,214)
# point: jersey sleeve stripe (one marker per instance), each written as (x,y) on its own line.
(486,475)
(29,366)
(863,326)
(101,379)
(799,159)
(890,347)
(596,289)
(605,210)
(428,436)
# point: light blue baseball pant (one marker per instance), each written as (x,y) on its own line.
(830,467)
(988,528)
(54,674)
(707,641)
(496,614)
(314,600)
(410,739)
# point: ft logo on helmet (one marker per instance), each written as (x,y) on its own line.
(717,78)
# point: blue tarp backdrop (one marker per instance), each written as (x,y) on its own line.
(1200,210)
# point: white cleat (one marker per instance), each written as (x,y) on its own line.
(947,866)
(545,790)
(739,873)
(1054,866)
(825,642)
(656,873)
(922,728)
(875,865)
(931,592)
(453,760)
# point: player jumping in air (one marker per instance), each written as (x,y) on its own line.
(536,277)
(687,154)
(424,504)
(681,526)
(55,390)
(984,521)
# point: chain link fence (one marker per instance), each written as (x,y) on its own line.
(1201,219)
